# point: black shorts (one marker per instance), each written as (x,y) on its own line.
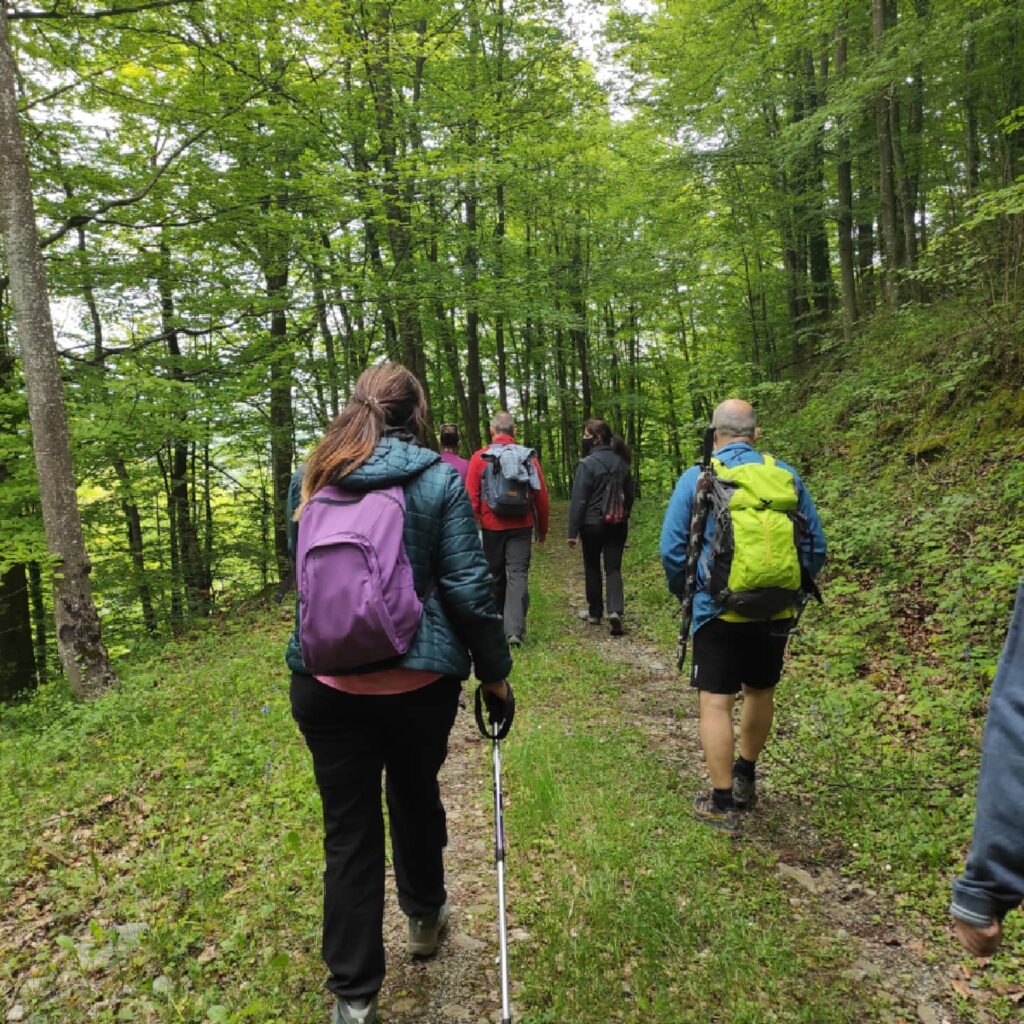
(729,654)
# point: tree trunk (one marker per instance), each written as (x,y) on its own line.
(282,428)
(35,592)
(972,147)
(128,506)
(578,307)
(183,524)
(844,215)
(17,657)
(889,217)
(79,637)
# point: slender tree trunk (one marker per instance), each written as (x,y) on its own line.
(972,147)
(330,354)
(35,592)
(881,18)
(131,511)
(844,216)
(17,657)
(183,523)
(282,428)
(79,637)
(578,305)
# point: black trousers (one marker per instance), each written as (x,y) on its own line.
(605,542)
(353,738)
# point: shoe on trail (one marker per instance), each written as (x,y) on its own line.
(426,932)
(585,616)
(615,621)
(704,809)
(354,1011)
(744,792)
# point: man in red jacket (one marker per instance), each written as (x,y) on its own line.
(508,536)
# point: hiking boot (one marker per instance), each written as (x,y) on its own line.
(425,932)
(354,1011)
(585,616)
(744,792)
(514,641)
(615,621)
(704,809)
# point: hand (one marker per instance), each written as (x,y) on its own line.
(540,540)
(977,940)
(572,542)
(500,703)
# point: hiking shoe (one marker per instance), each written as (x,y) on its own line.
(704,809)
(354,1011)
(615,621)
(514,641)
(744,792)
(425,932)
(585,616)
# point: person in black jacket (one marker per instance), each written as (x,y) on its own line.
(602,498)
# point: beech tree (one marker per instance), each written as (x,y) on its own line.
(79,640)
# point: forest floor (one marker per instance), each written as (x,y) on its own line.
(161,856)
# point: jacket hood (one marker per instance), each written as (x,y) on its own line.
(393,461)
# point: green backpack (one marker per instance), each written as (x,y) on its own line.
(755,548)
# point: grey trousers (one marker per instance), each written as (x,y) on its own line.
(508,557)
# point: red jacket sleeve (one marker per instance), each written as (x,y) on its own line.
(541,503)
(473,478)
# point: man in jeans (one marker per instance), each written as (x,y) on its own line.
(731,654)
(508,538)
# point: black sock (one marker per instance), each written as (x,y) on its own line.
(722,799)
(744,768)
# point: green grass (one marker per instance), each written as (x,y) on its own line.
(636,911)
(186,801)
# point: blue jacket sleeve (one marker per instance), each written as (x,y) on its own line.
(993,882)
(675,531)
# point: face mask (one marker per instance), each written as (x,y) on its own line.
(588,444)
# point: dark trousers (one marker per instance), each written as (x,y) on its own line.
(605,542)
(353,738)
(508,557)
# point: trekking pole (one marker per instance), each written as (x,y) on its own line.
(695,542)
(498,731)
(499,860)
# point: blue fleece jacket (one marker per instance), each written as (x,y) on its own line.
(675,531)
(993,882)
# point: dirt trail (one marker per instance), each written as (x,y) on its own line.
(461,982)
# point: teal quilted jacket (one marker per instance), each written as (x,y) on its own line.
(461,628)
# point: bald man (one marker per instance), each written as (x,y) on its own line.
(732,654)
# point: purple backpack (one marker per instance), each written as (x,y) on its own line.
(357,601)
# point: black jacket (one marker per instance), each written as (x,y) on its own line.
(593,476)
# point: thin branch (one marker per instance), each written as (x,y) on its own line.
(110,12)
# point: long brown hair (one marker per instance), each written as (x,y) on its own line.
(602,433)
(386,395)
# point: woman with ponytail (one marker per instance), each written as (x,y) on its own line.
(602,499)
(393,716)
